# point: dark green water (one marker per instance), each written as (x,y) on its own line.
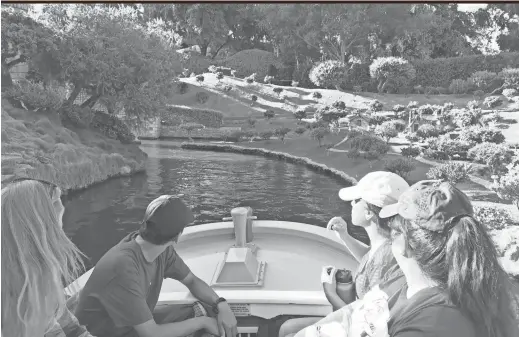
(213,183)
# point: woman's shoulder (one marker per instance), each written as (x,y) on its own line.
(431,313)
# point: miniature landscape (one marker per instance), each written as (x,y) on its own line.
(452,117)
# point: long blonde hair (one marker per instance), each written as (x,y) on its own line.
(38,259)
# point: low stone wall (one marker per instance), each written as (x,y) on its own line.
(273,154)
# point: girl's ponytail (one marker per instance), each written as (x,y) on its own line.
(476,281)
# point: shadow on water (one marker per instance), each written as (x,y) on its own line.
(213,183)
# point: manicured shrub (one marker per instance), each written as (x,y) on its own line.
(269,114)
(412,105)
(251,122)
(224,70)
(35,96)
(319,134)
(492,101)
(377,120)
(182,87)
(412,137)
(440,72)
(464,117)
(376,106)
(453,172)
(219,76)
(426,131)
(448,106)
(490,118)
(201,97)
(300,114)
(235,136)
(426,109)
(227,88)
(483,79)
(387,130)
(509,93)
(410,151)
(295,84)
(317,95)
(396,70)
(233,73)
(328,74)
(496,156)
(251,78)
(398,108)
(277,90)
(453,148)
(435,154)
(174,115)
(300,130)
(510,77)
(472,105)
(507,185)
(339,105)
(200,78)
(212,69)
(480,134)
(253,98)
(281,133)
(266,134)
(268,79)
(401,166)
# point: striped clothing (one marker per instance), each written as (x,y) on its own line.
(381,267)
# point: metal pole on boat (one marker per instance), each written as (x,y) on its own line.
(241,217)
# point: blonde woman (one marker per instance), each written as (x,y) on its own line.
(38,260)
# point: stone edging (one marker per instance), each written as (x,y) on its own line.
(273,154)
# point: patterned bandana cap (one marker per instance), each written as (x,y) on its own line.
(431,204)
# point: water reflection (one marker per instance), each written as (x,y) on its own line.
(213,183)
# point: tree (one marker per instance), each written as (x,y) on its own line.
(251,121)
(269,114)
(300,130)
(266,134)
(281,133)
(300,114)
(426,131)
(387,130)
(328,74)
(394,69)
(319,134)
(401,166)
(507,185)
(118,63)
(26,40)
(496,156)
(453,172)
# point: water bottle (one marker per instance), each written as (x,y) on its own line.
(345,287)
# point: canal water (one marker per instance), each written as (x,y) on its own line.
(212,183)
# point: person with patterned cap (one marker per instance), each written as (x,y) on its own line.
(455,285)
(120,296)
(377,265)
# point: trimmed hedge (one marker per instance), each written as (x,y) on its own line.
(440,72)
(273,154)
(177,115)
(251,61)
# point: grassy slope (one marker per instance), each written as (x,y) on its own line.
(37,145)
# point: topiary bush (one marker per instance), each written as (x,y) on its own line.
(328,74)
(412,105)
(426,131)
(251,78)
(317,95)
(492,102)
(300,130)
(339,105)
(278,90)
(281,133)
(426,109)
(483,79)
(269,114)
(398,108)
(507,185)
(201,97)
(268,79)
(495,156)
(182,87)
(479,134)
(479,94)
(36,97)
(227,88)
(253,98)
(510,77)
(300,114)
(266,134)
(410,151)
(219,76)
(212,69)
(453,148)
(440,72)
(509,93)
(465,117)
(401,166)
(376,106)
(453,172)
(319,133)
(387,130)
(200,78)
(394,70)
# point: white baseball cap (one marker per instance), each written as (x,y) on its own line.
(379,188)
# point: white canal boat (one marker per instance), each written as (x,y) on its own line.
(266,269)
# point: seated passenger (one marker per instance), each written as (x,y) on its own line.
(120,296)
(374,191)
(455,285)
(37,257)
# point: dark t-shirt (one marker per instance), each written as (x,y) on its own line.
(429,313)
(124,288)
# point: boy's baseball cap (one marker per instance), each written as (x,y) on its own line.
(379,188)
(431,204)
(171,216)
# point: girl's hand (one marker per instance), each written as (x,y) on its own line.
(211,326)
(328,275)
(337,224)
